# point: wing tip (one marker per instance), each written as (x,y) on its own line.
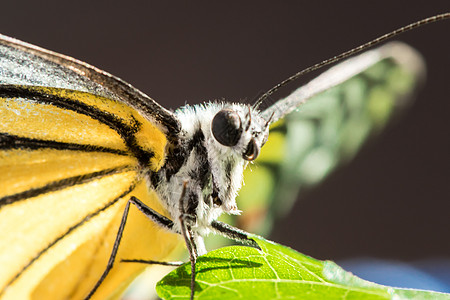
(407,56)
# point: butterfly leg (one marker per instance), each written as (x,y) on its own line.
(151,214)
(234,233)
(189,237)
(114,251)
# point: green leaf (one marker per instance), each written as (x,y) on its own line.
(274,272)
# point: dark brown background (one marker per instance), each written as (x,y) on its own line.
(392,201)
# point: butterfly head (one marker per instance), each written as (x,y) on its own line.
(235,135)
(233,128)
(224,138)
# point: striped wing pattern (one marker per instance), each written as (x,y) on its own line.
(69,160)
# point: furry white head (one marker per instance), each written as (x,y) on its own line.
(225,138)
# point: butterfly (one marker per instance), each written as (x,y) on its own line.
(93,171)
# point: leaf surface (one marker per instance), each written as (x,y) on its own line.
(275,272)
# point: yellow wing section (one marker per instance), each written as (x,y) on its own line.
(69,161)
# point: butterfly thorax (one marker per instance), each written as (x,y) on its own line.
(216,144)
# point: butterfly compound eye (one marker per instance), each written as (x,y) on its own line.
(226,127)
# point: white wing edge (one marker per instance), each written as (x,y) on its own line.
(404,54)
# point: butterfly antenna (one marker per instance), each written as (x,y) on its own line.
(351,52)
